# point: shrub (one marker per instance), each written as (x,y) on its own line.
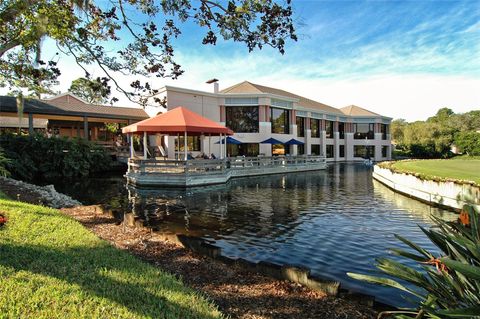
(4,161)
(449,284)
(36,156)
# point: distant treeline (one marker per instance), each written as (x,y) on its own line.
(435,137)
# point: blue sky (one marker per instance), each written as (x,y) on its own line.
(399,58)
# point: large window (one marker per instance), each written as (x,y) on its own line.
(364,151)
(315,149)
(193,143)
(341,130)
(301,149)
(280,122)
(329,129)
(245,149)
(384,151)
(242,119)
(384,131)
(330,151)
(341,151)
(363,131)
(300,126)
(315,127)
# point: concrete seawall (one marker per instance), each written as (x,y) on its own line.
(445,194)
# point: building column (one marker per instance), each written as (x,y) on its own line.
(185,145)
(349,152)
(145,145)
(30,124)
(336,146)
(85,128)
(132,151)
(323,143)
(307,147)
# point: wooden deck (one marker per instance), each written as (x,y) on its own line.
(175,173)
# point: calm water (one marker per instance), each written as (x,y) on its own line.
(332,221)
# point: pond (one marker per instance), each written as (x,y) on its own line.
(333,221)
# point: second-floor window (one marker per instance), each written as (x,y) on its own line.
(315,127)
(280,121)
(300,126)
(363,131)
(242,119)
(384,131)
(329,129)
(341,130)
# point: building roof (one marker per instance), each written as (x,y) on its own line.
(178,121)
(69,105)
(70,102)
(354,110)
(248,87)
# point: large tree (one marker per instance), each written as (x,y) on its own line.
(139,34)
(92,91)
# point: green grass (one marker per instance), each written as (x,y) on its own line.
(465,169)
(53,267)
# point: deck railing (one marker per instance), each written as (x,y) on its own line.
(216,166)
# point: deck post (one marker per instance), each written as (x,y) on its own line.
(85,128)
(221,147)
(30,124)
(132,151)
(177,154)
(144,145)
(185,145)
(225,146)
(209,143)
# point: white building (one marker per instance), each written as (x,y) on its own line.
(256,113)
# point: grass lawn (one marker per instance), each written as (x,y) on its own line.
(462,168)
(52,267)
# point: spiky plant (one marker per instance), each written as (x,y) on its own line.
(449,283)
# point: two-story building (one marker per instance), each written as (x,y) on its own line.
(256,113)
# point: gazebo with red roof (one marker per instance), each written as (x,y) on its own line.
(179,120)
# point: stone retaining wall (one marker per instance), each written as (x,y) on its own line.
(450,195)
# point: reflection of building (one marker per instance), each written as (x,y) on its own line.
(66,115)
(256,113)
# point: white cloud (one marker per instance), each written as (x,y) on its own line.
(412,97)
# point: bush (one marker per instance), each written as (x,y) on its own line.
(448,285)
(36,157)
(4,161)
(468,142)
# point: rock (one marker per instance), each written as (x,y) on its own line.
(47,195)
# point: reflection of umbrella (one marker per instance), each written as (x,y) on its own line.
(272,140)
(230,140)
(294,142)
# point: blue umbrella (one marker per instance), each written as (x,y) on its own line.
(294,142)
(272,140)
(230,140)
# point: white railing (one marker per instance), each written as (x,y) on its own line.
(216,166)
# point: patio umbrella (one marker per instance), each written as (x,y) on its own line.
(294,142)
(230,140)
(272,140)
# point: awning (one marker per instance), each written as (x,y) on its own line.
(272,140)
(178,121)
(294,142)
(230,140)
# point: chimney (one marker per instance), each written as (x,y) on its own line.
(216,86)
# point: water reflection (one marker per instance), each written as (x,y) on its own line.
(332,221)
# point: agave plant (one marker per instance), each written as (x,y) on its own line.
(447,285)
